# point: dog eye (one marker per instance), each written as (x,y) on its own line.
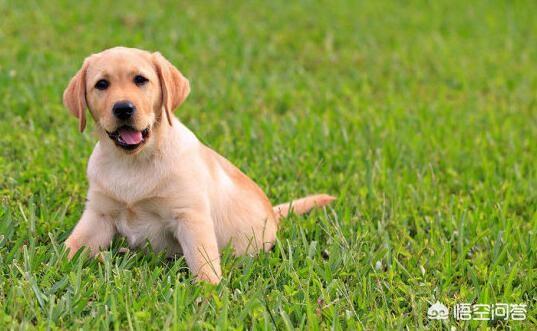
(140,80)
(102,84)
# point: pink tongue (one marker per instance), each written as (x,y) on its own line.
(130,137)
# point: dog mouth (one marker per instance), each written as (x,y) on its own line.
(129,138)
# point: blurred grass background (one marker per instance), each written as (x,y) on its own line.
(419,115)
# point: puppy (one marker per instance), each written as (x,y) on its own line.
(150,178)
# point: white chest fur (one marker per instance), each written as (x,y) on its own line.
(139,196)
(138,215)
(143,223)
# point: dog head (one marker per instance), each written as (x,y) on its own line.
(128,92)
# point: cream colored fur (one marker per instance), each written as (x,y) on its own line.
(173,191)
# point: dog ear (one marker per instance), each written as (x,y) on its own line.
(175,87)
(74,96)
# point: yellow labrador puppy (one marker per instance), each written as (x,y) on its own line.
(151,179)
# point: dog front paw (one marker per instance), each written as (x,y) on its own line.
(210,278)
(72,247)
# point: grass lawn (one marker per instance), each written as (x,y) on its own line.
(421,116)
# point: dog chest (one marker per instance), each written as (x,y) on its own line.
(142,223)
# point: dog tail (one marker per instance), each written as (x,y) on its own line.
(303,205)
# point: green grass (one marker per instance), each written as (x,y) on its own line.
(420,116)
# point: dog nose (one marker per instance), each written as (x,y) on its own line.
(123,109)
